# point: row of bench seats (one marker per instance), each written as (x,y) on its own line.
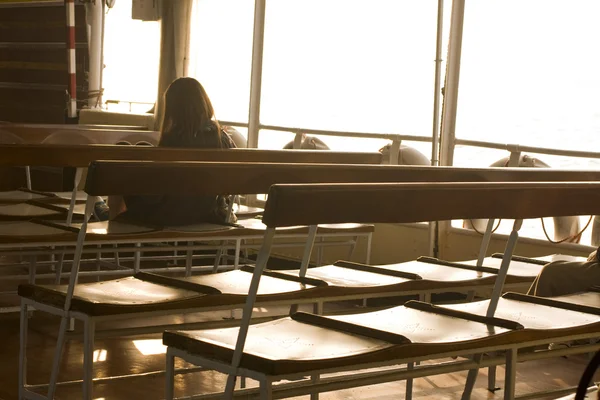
(479,178)
(309,345)
(308,211)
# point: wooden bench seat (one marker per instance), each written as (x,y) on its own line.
(34,209)
(342,280)
(300,205)
(257,225)
(18,232)
(21,196)
(555,318)
(290,205)
(521,270)
(154,293)
(521,266)
(303,343)
(408,278)
(589,300)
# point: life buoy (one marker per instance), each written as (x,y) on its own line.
(564,227)
(309,143)
(240,141)
(406,156)
(596,231)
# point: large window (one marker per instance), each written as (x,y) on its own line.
(131,58)
(221,54)
(529,77)
(349,65)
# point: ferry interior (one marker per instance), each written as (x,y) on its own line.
(408,207)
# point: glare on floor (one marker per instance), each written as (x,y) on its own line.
(150,347)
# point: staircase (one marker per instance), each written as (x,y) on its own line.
(33,61)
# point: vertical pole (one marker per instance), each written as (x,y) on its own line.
(448,121)
(95,22)
(437,85)
(432,228)
(452,78)
(72,88)
(256,74)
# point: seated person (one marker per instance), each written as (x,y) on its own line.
(560,278)
(188,122)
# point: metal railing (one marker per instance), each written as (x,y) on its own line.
(515,150)
(396,137)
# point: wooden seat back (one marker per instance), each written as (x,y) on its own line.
(311,204)
(58,134)
(199,178)
(82,155)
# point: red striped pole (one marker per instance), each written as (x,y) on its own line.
(72,88)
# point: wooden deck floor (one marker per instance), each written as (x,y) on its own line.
(144,355)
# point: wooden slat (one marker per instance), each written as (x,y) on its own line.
(82,155)
(193,178)
(43,135)
(289,205)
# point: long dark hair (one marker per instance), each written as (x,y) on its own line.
(188,116)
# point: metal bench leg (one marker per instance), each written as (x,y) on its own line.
(409,383)
(492,379)
(236,261)
(471,378)
(98,261)
(266,390)
(137,258)
(218,256)
(314,380)
(59,267)
(369,244)
(510,374)
(353,248)
(470,296)
(170,376)
(88,358)
(23,350)
(62,330)
(320,251)
(189,260)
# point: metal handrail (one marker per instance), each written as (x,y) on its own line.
(366,135)
(513,148)
(532,149)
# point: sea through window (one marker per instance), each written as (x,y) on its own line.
(528,77)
